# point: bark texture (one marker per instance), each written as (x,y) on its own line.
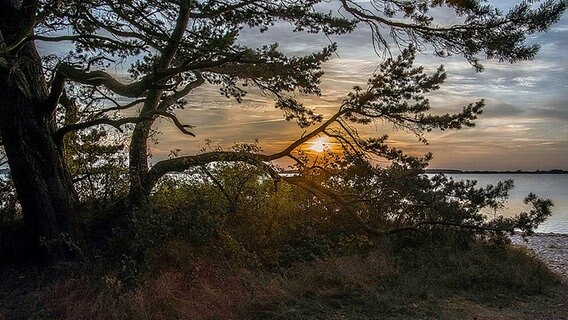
(36,161)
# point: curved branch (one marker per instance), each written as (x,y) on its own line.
(168,101)
(183,163)
(182,127)
(119,106)
(312,186)
(116,123)
(219,185)
(364,15)
(98,78)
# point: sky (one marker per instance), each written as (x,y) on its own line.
(524,126)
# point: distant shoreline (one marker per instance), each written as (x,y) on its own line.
(5,171)
(455,171)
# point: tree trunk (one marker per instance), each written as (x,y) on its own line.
(42,180)
(138,155)
(138,165)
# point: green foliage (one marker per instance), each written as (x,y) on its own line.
(420,281)
(399,198)
(237,206)
(484,30)
(306,249)
(135,247)
(97,161)
(284,253)
(237,209)
(193,210)
(478,270)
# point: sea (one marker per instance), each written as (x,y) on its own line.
(550,186)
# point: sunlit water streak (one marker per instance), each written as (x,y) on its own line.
(551,186)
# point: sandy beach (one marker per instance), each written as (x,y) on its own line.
(552,248)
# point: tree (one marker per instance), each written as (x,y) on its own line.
(180,45)
(36,163)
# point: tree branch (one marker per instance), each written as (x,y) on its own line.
(183,163)
(119,106)
(79,38)
(98,78)
(311,186)
(168,101)
(116,123)
(182,127)
(57,88)
(172,47)
(219,185)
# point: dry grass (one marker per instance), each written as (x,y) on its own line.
(195,283)
(209,292)
(210,289)
(352,272)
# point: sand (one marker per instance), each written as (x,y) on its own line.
(552,248)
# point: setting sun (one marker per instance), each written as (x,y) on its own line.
(319,145)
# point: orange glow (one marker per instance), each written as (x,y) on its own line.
(319,145)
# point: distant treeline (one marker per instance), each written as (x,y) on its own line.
(5,171)
(454,171)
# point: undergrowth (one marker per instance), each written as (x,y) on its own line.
(270,254)
(386,280)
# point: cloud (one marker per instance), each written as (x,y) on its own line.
(525,123)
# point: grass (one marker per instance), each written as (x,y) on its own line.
(416,283)
(423,280)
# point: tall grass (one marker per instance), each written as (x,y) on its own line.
(383,282)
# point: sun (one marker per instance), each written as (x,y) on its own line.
(319,145)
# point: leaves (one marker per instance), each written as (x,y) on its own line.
(174,47)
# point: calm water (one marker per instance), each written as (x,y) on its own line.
(551,186)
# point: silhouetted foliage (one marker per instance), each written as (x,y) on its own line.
(174,47)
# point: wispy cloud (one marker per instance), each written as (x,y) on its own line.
(525,124)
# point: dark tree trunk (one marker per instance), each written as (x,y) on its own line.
(42,180)
(138,159)
(138,156)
